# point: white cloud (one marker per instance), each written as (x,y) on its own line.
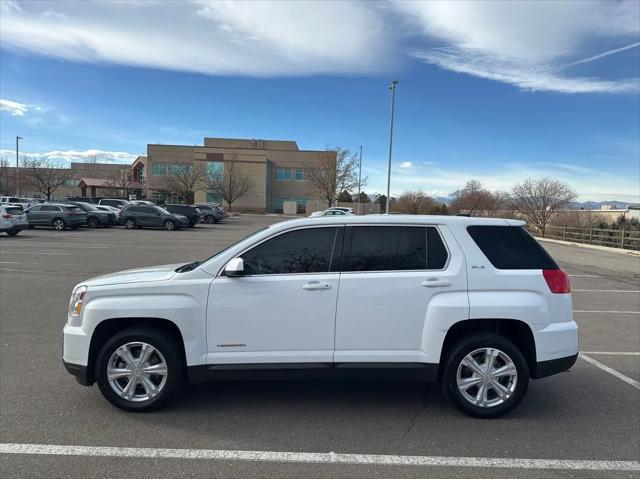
(100,156)
(222,38)
(407,165)
(13,107)
(525,44)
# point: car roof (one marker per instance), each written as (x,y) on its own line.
(397,219)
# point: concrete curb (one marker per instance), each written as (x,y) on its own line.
(608,249)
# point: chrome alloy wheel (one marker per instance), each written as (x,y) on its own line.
(487,377)
(137,372)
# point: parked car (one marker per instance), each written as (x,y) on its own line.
(95,216)
(14,200)
(475,303)
(114,203)
(211,212)
(56,215)
(139,216)
(191,212)
(331,212)
(12,219)
(142,202)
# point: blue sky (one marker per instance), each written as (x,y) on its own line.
(494,91)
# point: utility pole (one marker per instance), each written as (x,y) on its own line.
(17,167)
(392,87)
(359,178)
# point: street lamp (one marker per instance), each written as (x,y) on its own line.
(392,87)
(18,138)
(359,178)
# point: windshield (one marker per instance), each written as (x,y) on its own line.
(162,210)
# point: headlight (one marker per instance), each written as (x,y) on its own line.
(76,302)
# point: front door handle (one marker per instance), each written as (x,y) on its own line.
(311,285)
(435,283)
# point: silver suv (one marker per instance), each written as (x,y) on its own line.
(12,220)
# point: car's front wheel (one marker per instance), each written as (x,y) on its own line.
(139,369)
(485,375)
(169,225)
(130,223)
(92,222)
(58,224)
(209,219)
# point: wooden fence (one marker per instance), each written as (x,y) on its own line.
(622,238)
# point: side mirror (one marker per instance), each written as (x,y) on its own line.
(234,268)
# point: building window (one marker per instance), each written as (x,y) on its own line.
(302,204)
(284,174)
(159,169)
(300,175)
(214,198)
(278,202)
(215,169)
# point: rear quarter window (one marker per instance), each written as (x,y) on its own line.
(14,211)
(510,247)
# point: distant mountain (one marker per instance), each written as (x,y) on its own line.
(442,199)
(597,205)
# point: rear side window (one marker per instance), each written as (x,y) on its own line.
(511,247)
(387,248)
(74,209)
(436,251)
(14,211)
(50,208)
(300,251)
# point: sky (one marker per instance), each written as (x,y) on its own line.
(494,91)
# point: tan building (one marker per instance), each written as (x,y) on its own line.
(277,170)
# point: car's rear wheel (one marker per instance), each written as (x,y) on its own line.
(209,219)
(13,233)
(129,223)
(92,222)
(58,224)
(485,375)
(139,369)
(169,225)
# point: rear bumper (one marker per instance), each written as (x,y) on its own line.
(543,369)
(17,227)
(79,371)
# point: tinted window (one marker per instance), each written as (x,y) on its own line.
(300,251)
(74,209)
(385,248)
(14,211)
(135,209)
(33,209)
(150,210)
(50,208)
(436,251)
(511,247)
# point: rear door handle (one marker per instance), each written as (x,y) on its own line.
(434,283)
(311,285)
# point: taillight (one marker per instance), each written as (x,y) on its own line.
(557,280)
(6,217)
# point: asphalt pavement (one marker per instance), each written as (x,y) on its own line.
(583,423)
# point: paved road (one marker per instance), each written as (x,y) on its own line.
(586,414)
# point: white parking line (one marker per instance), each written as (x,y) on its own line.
(612,353)
(318,457)
(9,262)
(605,291)
(613,372)
(607,312)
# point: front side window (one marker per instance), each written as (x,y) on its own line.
(300,251)
(388,248)
(50,208)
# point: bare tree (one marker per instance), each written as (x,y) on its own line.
(230,184)
(4,177)
(334,174)
(475,196)
(537,200)
(118,181)
(414,203)
(45,175)
(184,181)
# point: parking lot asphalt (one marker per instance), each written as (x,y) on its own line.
(589,414)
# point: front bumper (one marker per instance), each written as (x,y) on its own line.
(80,372)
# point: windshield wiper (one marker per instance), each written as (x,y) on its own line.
(187,267)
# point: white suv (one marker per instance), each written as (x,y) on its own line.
(475,303)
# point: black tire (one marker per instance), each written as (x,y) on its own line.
(209,219)
(169,350)
(474,342)
(13,233)
(93,222)
(129,223)
(169,225)
(58,224)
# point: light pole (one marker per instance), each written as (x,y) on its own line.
(392,87)
(18,138)
(359,178)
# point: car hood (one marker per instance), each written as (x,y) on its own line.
(139,275)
